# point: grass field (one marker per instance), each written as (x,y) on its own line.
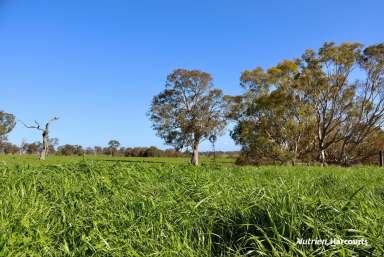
(32,160)
(164,207)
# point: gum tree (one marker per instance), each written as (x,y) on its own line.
(367,115)
(313,107)
(188,111)
(7,123)
(113,145)
(273,121)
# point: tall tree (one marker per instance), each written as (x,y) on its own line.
(7,123)
(272,120)
(45,135)
(324,81)
(188,111)
(313,105)
(367,114)
(113,145)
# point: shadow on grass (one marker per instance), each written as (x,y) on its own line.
(235,233)
(257,232)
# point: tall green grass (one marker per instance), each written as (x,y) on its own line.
(97,208)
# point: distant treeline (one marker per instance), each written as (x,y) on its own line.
(68,150)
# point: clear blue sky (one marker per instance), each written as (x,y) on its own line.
(97,64)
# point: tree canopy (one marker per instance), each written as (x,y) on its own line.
(7,123)
(189,110)
(312,107)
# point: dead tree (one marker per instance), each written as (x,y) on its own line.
(45,134)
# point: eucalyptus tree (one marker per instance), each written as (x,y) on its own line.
(273,121)
(325,83)
(7,123)
(188,111)
(113,145)
(367,115)
(329,103)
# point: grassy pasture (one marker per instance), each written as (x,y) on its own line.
(93,207)
(33,160)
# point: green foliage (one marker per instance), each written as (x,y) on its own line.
(112,208)
(189,110)
(312,108)
(7,123)
(113,145)
(272,120)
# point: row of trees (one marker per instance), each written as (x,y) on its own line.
(68,149)
(50,145)
(326,106)
(114,149)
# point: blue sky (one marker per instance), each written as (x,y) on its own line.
(97,64)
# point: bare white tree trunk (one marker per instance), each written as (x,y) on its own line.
(22,146)
(322,157)
(45,134)
(195,154)
(44,151)
(321,146)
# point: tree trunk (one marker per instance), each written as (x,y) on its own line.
(44,151)
(345,160)
(322,157)
(321,146)
(343,156)
(195,155)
